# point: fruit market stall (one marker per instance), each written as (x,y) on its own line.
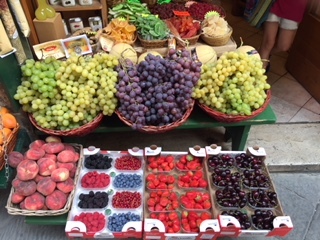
(150,193)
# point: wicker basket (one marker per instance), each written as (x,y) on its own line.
(159,129)
(190,41)
(222,117)
(219,40)
(112,3)
(14,209)
(153,43)
(94,46)
(81,131)
(9,145)
(150,3)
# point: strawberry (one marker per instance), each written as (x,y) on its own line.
(183,159)
(171,165)
(184,178)
(151,159)
(191,195)
(153,194)
(198,206)
(162,185)
(160,160)
(170,186)
(190,174)
(198,198)
(153,165)
(170,159)
(205,196)
(173,196)
(192,165)
(153,216)
(187,227)
(202,183)
(175,204)
(165,194)
(156,182)
(176,228)
(164,201)
(194,183)
(164,165)
(192,215)
(151,185)
(193,224)
(180,165)
(206,204)
(170,179)
(184,214)
(158,208)
(151,177)
(205,215)
(173,216)
(162,178)
(151,202)
(198,222)
(162,216)
(198,175)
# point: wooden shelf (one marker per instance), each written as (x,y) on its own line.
(96,5)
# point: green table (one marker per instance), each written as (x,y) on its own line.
(238,132)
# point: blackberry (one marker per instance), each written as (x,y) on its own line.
(98,161)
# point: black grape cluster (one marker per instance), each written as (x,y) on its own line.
(158,90)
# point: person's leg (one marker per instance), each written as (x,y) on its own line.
(286,35)
(270,31)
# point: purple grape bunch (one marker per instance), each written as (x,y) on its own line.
(157,91)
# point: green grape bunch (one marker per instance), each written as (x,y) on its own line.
(63,95)
(235,85)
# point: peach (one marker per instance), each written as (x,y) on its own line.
(27,170)
(68,165)
(17,198)
(15,182)
(22,205)
(66,186)
(14,158)
(39,177)
(34,153)
(76,157)
(46,167)
(56,200)
(69,147)
(66,156)
(73,171)
(46,186)
(34,202)
(60,174)
(25,188)
(53,147)
(36,144)
(51,156)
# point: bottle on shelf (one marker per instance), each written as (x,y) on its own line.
(44,10)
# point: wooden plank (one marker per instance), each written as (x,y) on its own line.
(28,9)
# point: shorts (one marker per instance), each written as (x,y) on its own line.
(284,23)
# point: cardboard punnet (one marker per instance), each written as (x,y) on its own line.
(229,225)
(132,229)
(154,228)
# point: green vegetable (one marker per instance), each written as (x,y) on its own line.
(129,10)
(151,27)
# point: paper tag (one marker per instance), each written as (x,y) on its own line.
(181,14)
